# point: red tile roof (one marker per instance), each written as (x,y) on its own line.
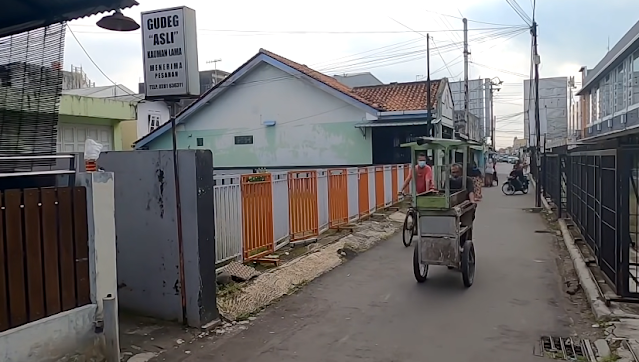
(329,81)
(401,96)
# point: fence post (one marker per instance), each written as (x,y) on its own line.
(111,329)
(623,239)
(568,173)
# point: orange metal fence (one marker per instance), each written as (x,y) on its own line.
(362,191)
(257,215)
(379,186)
(337,197)
(302,205)
(309,203)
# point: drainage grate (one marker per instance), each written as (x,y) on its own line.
(568,349)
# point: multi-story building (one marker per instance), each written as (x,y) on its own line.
(609,96)
(553,111)
(479,99)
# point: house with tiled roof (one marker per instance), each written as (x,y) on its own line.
(273,112)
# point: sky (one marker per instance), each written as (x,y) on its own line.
(385,38)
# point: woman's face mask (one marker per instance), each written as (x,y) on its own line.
(421,163)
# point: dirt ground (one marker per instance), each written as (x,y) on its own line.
(576,303)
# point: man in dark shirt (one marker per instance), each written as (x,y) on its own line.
(456,184)
(517,176)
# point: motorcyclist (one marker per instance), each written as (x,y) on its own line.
(516,177)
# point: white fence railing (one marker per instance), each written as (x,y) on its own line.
(228,205)
(227,196)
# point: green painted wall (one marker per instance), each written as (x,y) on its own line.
(96,108)
(353,147)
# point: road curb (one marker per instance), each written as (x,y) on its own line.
(586,279)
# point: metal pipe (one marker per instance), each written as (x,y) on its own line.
(178,209)
(429,127)
(111,329)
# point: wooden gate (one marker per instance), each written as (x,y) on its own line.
(44,253)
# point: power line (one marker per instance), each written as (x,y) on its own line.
(522,14)
(307,32)
(437,50)
(472,21)
(98,67)
(501,70)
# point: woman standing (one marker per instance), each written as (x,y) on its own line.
(475,174)
(489,172)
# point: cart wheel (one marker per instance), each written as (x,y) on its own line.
(420,270)
(468,263)
(407,234)
(508,189)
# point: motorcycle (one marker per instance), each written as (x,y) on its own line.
(510,188)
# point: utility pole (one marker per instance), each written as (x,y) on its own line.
(466,52)
(537,124)
(495,82)
(429,125)
(492,116)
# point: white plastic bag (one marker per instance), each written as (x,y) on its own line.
(92,150)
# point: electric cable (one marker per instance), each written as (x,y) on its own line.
(98,67)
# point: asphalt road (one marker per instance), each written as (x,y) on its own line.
(371,309)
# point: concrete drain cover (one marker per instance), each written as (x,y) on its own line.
(240,272)
(567,349)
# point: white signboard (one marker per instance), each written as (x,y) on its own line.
(169,46)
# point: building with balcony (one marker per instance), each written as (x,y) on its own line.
(609,97)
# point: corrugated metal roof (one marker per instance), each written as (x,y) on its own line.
(18,16)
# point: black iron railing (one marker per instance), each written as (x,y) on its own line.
(599,191)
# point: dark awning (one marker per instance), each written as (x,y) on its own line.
(18,16)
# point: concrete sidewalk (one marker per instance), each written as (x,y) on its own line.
(372,309)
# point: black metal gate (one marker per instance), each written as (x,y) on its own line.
(599,190)
(592,200)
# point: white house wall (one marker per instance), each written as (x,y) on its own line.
(312,127)
(147,113)
(447,109)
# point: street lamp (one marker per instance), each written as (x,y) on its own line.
(494,82)
(118,22)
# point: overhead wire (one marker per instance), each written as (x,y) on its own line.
(522,14)
(385,56)
(98,67)
(431,38)
(305,32)
(470,20)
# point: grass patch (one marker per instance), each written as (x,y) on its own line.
(229,289)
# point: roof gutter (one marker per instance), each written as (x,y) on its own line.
(403,113)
